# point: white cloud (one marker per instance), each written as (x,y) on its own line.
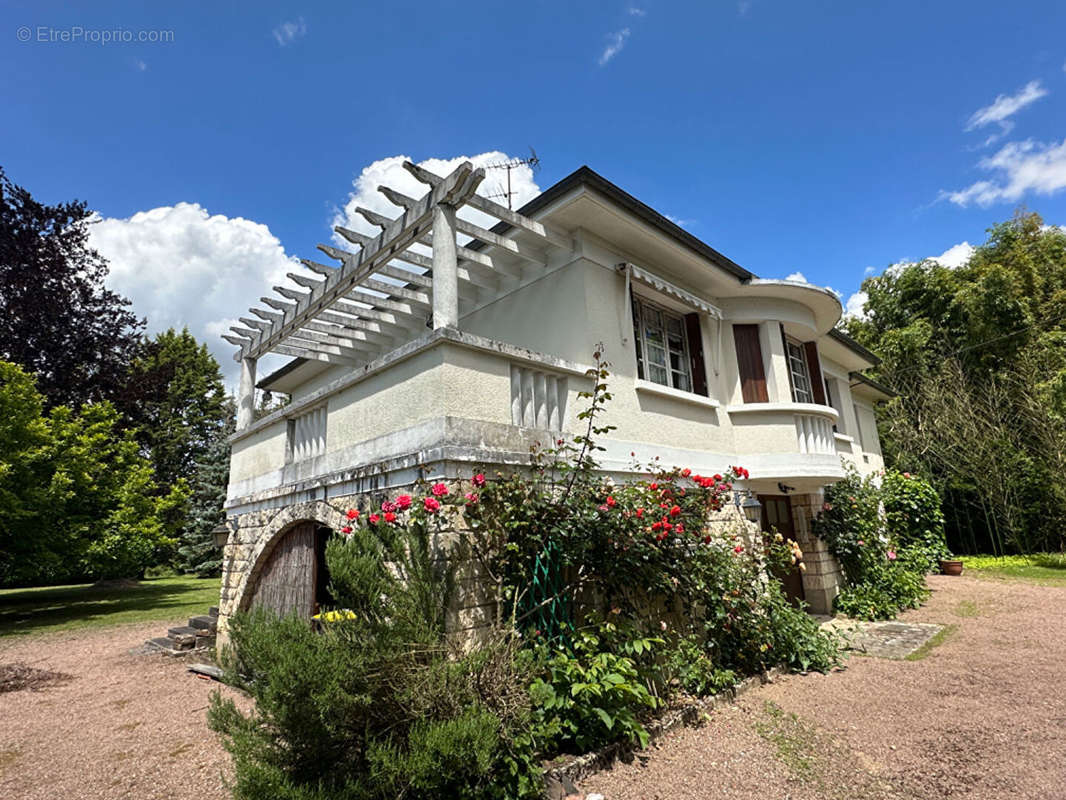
(681,222)
(390,172)
(141,66)
(797,276)
(182,266)
(634,11)
(854,306)
(743,7)
(615,42)
(1022,167)
(955,257)
(288,32)
(1004,107)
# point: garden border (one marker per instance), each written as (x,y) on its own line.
(581,767)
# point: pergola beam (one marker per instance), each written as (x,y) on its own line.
(398,235)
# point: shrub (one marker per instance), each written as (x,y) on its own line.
(914,517)
(589,696)
(884,558)
(376,704)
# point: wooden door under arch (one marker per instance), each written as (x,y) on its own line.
(294,579)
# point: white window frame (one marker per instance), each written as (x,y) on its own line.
(798,369)
(640,343)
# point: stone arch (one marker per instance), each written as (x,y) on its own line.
(314,511)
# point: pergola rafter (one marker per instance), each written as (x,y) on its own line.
(384,292)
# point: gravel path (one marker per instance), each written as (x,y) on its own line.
(982,716)
(125,726)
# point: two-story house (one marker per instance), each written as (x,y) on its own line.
(444,343)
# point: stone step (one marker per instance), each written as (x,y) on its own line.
(168,646)
(204,622)
(185,635)
(213,611)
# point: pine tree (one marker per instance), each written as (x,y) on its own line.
(197,552)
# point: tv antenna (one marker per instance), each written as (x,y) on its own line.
(533,162)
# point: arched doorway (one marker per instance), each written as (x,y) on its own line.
(294,578)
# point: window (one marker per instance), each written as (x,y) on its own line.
(797,370)
(662,345)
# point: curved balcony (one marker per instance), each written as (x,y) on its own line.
(787,441)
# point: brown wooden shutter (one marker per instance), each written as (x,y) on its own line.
(695,354)
(749,363)
(814,366)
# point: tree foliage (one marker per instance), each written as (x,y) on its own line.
(176,403)
(197,552)
(977,354)
(78,499)
(57,319)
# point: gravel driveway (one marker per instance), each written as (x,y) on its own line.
(125,726)
(982,716)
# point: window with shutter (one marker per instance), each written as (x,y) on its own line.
(750,363)
(664,346)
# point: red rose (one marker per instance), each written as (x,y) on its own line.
(611,502)
(640,512)
(738,549)
(675,511)
(346,529)
(431,504)
(653,486)
(656,526)
(717,477)
(686,472)
(375,519)
(353,513)
(390,517)
(471,498)
(706,539)
(439,490)
(478,480)
(403,501)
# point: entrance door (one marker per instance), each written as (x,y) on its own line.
(293,579)
(777,516)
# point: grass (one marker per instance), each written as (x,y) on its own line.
(938,639)
(793,738)
(1047,569)
(66,608)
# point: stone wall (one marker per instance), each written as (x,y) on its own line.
(254,534)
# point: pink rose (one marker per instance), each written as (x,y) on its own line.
(439,490)
(403,501)
(891,555)
(478,480)
(432,505)
(388,507)
(471,498)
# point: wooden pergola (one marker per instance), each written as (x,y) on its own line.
(384,294)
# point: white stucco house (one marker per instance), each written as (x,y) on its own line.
(448,341)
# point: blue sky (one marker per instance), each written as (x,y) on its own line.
(820,138)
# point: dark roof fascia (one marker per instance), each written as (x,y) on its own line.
(855,347)
(858,377)
(279,373)
(584,176)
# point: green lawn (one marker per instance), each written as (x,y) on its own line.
(1042,568)
(64,608)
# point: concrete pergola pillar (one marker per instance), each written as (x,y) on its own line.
(445,268)
(246,394)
